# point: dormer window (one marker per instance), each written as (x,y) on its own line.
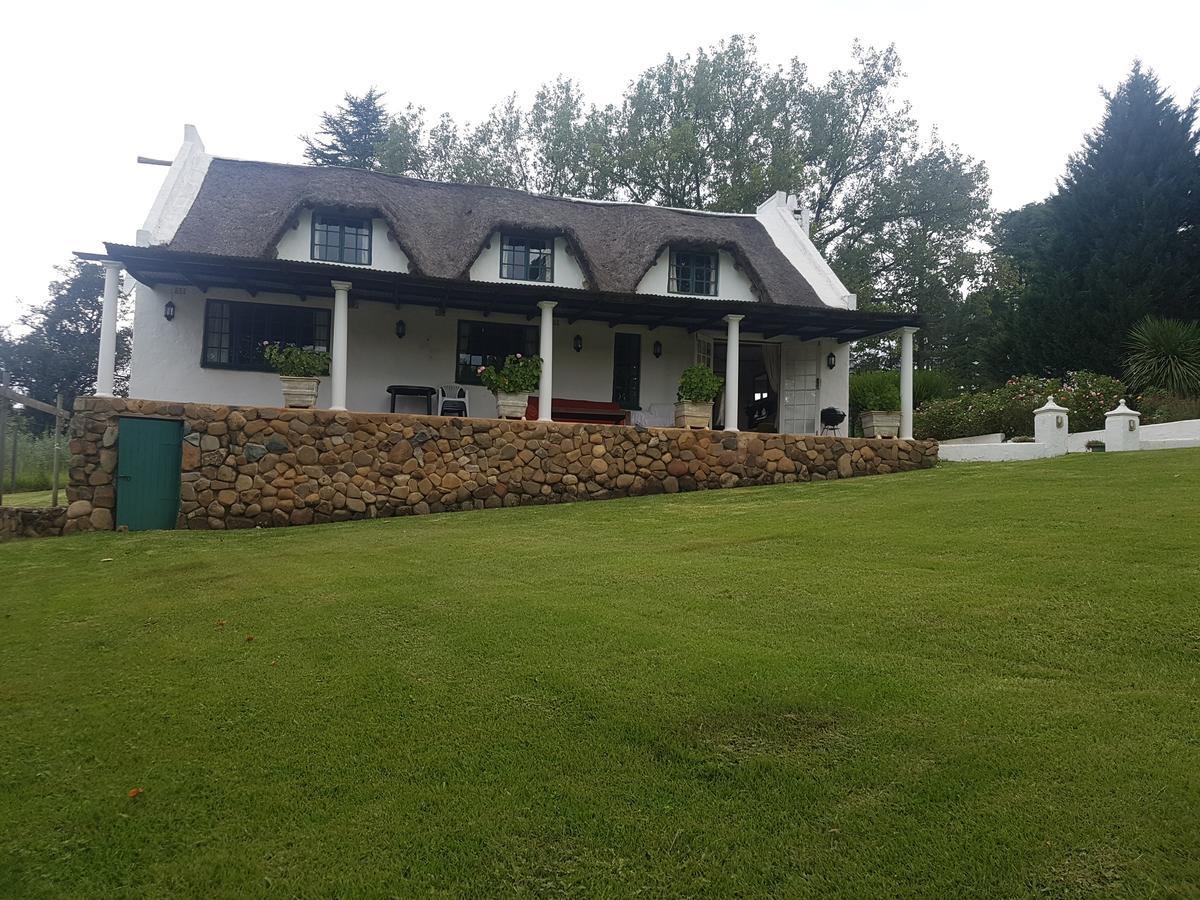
(692,272)
(341,239)
(527,258)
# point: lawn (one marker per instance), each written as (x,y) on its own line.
(975,680)
(33,499)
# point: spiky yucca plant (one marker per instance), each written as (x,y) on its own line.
(1164,354)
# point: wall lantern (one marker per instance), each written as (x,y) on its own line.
(401,328)
(169,310)
(831,360)
(657,349)
(577,343)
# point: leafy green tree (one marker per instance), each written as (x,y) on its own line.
(1119,239)
(351,135)
(60,343)
(900,218)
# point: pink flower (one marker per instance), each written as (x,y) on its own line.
(518,356)
(479,371)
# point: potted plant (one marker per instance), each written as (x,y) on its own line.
(298,368)
(698,388)
(880,404)
(512,383)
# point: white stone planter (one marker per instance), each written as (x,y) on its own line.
(880,423)
(299,393)
(691,414)
(511,406)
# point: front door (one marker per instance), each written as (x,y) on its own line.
(148,466)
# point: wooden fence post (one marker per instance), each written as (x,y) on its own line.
(4,404)
(58,414)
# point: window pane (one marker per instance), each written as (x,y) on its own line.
(527,258)
(340,239)
(234,332)
(488,343)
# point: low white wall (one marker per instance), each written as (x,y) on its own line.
(996,438)
(1171,444)
(1186,430)
(993,452)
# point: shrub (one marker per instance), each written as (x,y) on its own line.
(1159,406)
(870,389)
(1164,355)
(1009,408)
(519,375)
(296,362)
(699,384)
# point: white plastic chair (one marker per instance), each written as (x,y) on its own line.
(452,400)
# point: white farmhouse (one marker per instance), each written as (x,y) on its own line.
(413,284)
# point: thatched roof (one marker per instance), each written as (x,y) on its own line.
(243,209)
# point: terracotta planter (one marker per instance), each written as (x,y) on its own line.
(691,414)
(299,393)
(880,423)
(511,406)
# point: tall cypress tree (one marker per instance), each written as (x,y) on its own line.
(352,135)
(1118,240)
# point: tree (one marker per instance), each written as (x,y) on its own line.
(350,136)
(60,348)
(1117,241)
(900,218)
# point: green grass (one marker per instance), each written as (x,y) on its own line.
(976,680)
(33,499)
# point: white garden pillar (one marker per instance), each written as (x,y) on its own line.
(339,344)
(732,367)
(1122,429)
(1050,427)
(906,382)
(106,363)
(546,351)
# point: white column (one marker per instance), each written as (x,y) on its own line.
(546,351)
(906,382)
(732,363)
(106,363)
(339,344)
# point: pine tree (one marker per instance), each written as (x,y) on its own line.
(352,135)
(1117,241)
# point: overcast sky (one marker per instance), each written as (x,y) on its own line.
(88,89)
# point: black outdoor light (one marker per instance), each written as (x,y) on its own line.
(169,310)
(831,360)
(401,328)
(657,349)
(577,343)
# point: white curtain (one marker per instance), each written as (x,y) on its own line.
(772,354)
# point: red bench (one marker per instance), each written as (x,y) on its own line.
(563,409)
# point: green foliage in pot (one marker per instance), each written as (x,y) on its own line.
(520,374)
(874,387)
(699,384)
(296,362)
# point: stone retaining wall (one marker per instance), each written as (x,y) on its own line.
(248,466)
(18,521)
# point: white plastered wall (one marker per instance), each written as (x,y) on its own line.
(386,255)
(487,264)
(166,356)
(732,283)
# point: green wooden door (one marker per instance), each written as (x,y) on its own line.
(148,465)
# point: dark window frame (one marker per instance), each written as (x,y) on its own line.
(237,346)
(520,339)
(359,226)
(515,252)
(627,370)
(688,258)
